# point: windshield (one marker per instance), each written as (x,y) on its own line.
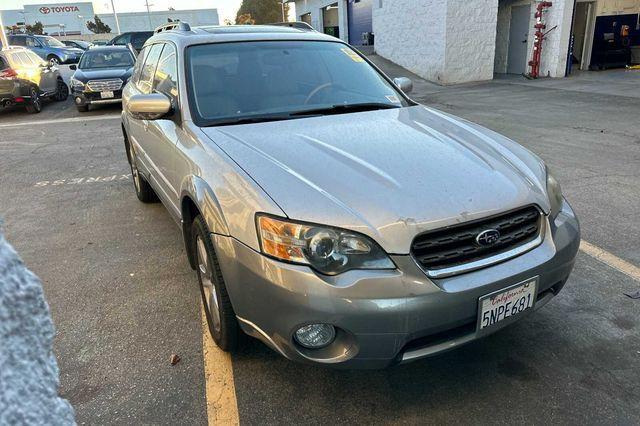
(108,59)
(51,42)
(282,79)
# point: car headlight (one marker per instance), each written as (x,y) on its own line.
(555,194)
(328,250)
(76,84)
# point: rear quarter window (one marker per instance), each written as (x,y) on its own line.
(3,64)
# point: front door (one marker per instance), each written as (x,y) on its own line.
(518,39)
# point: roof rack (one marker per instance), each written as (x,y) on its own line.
(296,24)
(176,25)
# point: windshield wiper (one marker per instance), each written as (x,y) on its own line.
(250,120)
(345,108)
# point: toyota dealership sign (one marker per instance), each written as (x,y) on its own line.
(72,15)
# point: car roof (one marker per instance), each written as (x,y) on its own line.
(235,33)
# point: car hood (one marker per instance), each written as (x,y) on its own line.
(389,174)
(95,74)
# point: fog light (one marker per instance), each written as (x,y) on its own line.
(315,336)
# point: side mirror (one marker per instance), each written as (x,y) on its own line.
(405,84)
(73,67)
(148,107)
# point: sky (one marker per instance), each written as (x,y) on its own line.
(226,8)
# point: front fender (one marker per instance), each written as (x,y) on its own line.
(196,189)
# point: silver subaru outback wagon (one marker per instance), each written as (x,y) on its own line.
(325,212)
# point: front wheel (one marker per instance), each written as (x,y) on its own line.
(221,318)
(34,105)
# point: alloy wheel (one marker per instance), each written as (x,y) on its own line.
(54,62)
(208,287)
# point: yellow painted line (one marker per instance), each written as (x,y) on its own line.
(607,258)
(222,407)
(63,120)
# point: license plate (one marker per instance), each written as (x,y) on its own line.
(106,95)
(504,304)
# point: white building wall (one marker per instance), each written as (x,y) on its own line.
(470,41)
(315,8)
(139,21)
(411,33)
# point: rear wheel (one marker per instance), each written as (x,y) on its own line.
(34,105)
(144,192)
(54,61)
(221,318)
(62,91)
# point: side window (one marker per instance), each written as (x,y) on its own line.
(17,41)
(123,39)
(166,76)
(138,39)
(25,59)
(149,68)
(138,67)
(32,42)
(3,64)
(34,58)
(16,60)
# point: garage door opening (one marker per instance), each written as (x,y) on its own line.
(582,35)
(330,20)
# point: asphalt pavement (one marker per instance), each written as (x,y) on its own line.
(124,298)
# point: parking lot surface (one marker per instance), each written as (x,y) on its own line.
(124,299)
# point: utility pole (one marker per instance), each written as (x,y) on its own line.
(284,18)
(146,2)
(115,16)
(3,36)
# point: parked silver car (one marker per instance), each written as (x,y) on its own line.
(325,212)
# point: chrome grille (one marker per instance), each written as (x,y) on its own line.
(456,245)
(110,85)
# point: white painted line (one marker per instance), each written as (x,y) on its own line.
(222,407)
(63,120)
(83,180)
(611,260)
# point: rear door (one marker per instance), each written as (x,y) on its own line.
(158,137)
(48,78)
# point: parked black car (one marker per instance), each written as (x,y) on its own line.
(26,79)
(100,76)
(78,44)
(136,38)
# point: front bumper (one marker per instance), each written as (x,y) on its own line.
(383,317)
(82,98)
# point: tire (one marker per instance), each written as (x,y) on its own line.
(53,60)
(62,92)
(82,108)
(144,191)
(221,318)
(34,106)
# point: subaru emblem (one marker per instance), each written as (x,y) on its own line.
(488,237)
